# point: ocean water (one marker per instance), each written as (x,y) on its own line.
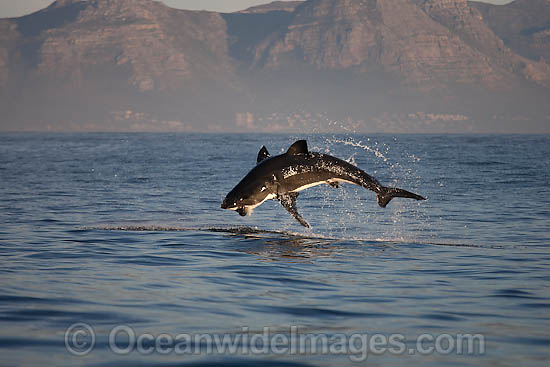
(114,251)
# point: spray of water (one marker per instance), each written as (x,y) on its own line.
(352,212)
(359,144)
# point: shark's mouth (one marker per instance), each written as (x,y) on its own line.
(248,209)
(243,210)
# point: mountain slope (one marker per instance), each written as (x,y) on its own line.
(428,43)
(287,6)
(137,64)
(463,19)
(114,54)
(523,25)
(160,47)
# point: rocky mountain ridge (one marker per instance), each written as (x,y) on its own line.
(78,63)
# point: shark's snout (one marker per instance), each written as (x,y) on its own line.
(228,203)
(224,204)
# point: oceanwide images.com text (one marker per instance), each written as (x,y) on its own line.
(81,339)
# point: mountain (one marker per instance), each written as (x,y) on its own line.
(83,59)
(381,65)
(287,6)
(523,25)
(427,43)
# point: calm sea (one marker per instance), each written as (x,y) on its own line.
(114,251)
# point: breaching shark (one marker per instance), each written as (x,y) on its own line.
(283,176)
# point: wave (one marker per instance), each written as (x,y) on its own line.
(259,232)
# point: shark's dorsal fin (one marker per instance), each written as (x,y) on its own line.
(262,154)
(300,147)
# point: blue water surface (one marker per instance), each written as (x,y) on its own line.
(114,230)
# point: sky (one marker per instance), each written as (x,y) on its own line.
(11,8)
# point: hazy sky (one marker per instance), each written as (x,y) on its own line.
(14,8)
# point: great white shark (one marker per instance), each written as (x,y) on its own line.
(283,176)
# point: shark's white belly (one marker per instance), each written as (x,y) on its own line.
(250,208)
(268,197)
(322,182)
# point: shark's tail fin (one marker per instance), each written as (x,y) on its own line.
(388,193)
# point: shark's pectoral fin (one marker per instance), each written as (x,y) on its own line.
(288,201)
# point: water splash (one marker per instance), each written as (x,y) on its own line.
(247,231)
(354,210)
(359,144)
(350,210)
